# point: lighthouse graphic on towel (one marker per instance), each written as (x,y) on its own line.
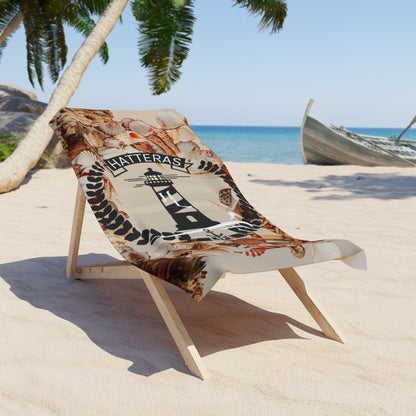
(185,215)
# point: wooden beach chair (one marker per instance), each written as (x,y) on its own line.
(172,210)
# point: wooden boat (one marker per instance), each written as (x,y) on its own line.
(323,145)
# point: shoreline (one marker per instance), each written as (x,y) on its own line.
(73,347)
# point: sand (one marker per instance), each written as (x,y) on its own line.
(101,348)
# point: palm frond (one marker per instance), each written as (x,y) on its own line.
(2,46)
(35,50)
(85,25)
(44,22)
(55,49)
(79,16)
(8,10)
(165,30)
(272,12)
(96,6)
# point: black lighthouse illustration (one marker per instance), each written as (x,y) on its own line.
(186,216)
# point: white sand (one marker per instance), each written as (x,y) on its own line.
(101,348)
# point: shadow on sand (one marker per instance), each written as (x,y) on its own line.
(360,185)
(120,317)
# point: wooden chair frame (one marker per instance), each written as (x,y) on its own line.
(125,270)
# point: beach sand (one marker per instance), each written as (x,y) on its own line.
(101,347)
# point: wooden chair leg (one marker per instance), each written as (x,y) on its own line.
(75,233)
(314,308)
(172,320)
(178,331)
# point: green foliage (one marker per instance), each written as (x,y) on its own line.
(44,162)
(8,9)
(272,12)
(44,22)
(165,29)
(79,15)
(7,147)
(2,46)
(165,32)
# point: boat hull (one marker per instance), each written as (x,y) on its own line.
(322,145)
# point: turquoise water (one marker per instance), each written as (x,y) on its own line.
(269,144)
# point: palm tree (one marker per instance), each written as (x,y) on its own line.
(44,27)
(166,28)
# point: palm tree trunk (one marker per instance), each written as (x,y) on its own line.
(14,169)
(12,26)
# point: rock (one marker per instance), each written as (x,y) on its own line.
(13,91)
(20,124)
(55,155)
(22,105)
(18,111)
(12,122)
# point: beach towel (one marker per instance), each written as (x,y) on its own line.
(169,205)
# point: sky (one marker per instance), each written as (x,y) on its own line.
(355,58)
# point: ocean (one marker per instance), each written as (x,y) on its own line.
(269,144)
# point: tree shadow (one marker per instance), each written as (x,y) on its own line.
(359,185)
(120,316)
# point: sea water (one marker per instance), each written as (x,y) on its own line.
(269,144)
